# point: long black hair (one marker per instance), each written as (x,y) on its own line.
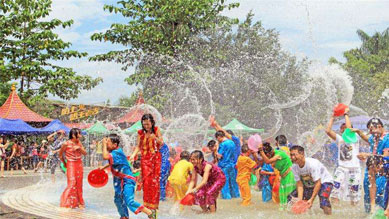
(73,132)
(150,117)
(198,154)
(4,139)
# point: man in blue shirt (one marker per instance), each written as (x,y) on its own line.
(230,135)
(379,145)
(226,161)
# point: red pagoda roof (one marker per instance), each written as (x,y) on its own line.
(14,108)
(134,114)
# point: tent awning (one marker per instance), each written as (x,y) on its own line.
(97,128)
(134,128)
(54,126)
(237,126)
(17,127)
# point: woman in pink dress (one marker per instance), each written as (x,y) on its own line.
(213,180)
(73,149)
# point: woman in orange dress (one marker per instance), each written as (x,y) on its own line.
(149,142)
(73,149)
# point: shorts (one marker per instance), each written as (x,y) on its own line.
(54,162)
(347,182)
(15,161)
(3,157)
(324,194)
(35,159)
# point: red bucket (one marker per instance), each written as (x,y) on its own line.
(339,109)
(97,178)
(300,207)
(188,199)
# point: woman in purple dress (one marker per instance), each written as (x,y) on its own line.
(212,182)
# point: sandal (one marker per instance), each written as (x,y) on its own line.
(153,214)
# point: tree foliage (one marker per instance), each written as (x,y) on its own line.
(5,90)
(241,65)
(369,68)
(157,27)
(29,50)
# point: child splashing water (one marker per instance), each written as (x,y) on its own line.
(123,179)
(282,163)
(179,176)
(245,166)
(212,182)
(267,172)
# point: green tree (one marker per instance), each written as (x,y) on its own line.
(157,28)
(238,64)
(5,90)
(29,50)
(368,66)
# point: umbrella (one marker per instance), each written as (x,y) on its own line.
(237,126)
(358,122)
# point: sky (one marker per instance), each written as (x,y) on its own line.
(317,29)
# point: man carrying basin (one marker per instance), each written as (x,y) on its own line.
(347,175)
(313,179)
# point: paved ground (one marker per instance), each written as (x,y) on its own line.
(19,180)
(34,194)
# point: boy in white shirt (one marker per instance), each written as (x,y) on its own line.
(347,177)
(312,179)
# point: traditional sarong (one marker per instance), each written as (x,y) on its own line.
(72,196)
(150,170)
(287,185)
(207,194)
(165,170)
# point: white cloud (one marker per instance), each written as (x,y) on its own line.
(318,29)
(77,10)
(313,26)
(68,35)
(113,85)
(344,45)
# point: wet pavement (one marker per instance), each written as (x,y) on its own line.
(17,181)
(35,194)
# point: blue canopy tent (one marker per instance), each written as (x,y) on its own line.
(54,126)
(17,127)
(358,122)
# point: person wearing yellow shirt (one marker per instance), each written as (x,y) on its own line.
(245,165)
(179,176)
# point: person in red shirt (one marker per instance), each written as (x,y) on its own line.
(15,157)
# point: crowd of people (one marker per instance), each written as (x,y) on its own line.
(16,154)
(226,167)
(30,153)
